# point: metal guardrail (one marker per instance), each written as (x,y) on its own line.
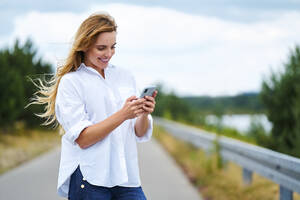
(280,168)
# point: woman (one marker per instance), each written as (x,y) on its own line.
(97,106)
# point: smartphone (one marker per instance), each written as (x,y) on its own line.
(148,91)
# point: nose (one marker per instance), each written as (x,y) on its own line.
(108,53)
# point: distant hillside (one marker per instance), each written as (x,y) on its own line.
(243,103)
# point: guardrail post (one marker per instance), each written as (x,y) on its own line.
(247,176)
(285,194)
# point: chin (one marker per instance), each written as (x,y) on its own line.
(101,65)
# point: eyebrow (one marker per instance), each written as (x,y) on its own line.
(101,45)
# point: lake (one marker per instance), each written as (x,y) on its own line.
(241,122)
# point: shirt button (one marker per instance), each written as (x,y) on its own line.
(83,179)
(82,186)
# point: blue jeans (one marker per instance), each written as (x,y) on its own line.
(82,190)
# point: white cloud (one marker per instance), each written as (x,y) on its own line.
(192,54)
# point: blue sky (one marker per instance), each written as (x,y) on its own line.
(193,47)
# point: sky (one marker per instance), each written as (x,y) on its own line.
(193,47)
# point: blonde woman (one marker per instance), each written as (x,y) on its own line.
(96,104)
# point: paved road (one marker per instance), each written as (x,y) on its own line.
(36,180)
(161,178)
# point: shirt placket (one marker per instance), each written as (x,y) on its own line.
(116,134)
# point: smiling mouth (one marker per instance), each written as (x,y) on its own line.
(104,60)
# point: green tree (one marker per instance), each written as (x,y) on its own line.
(16,66)
(281,97)
(12,91)
(171,106)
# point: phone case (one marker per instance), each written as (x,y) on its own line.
(148,91)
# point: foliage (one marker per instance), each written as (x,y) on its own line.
(16,66)
(171,106)
(258,133)
(242,103)
(281,97)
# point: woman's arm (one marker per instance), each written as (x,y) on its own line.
(99,131)
(141,125)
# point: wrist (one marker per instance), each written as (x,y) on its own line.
(144,115)
(122,115)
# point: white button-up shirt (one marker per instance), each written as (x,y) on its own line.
(85,98)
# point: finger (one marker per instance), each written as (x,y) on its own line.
(131,98)
(149,104)
(149,98)
(154,94)
(150,101)
(137,107)
(147,109)
(139,111)
(138,101)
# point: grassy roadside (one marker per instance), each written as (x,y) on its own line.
(214,183)
(27,144)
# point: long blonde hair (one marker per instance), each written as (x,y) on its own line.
(84,38)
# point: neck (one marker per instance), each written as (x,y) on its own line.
(100,71)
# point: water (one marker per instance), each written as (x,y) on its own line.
(241,122)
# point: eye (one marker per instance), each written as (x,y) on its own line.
(101,48)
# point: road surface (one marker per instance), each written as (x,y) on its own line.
(161,177)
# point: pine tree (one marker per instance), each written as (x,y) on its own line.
(281,97)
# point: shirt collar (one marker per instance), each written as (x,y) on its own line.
(106,70)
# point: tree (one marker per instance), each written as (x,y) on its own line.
(16,66)
(171,106)
(281,97)
(12,91)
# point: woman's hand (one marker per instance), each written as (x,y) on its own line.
(142,122)
(149,104)
(133,107)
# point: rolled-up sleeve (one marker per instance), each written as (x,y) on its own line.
(70,110)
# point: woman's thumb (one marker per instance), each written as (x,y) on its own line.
(131,98)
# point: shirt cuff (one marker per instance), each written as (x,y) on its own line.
(148,133)
(73,133)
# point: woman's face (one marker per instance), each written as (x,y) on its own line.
(99,54)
